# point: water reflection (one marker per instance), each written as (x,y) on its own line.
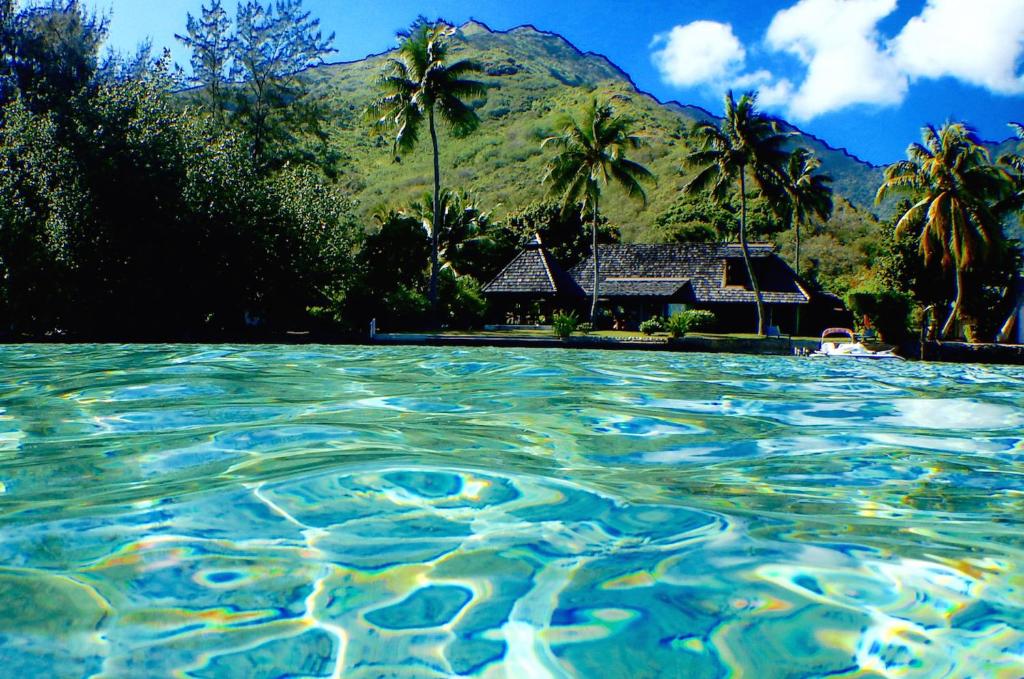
(315,511)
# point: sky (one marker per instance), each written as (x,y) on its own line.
(864,75)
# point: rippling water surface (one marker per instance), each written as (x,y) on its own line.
(341,511)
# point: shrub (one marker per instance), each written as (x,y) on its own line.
(584,328)
(651,326)
(678,325)
(887,310)
(463,305)
(685,321)
(565,324)
(701,319)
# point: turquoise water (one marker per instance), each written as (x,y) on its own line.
(342,511)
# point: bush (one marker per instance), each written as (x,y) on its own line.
(463,304)
(651,326)
(685,321)
(565,324)
(701,319)
(678,325)
(887,311)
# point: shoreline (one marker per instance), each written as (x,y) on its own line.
(933,351)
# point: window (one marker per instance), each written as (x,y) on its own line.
(736,274)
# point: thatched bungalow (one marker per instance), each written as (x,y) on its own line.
(641,281)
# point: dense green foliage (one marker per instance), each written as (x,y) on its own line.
(262,199)
(125,214)
(956,189)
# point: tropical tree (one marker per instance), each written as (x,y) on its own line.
(808,194)
(592,152)
(956,186)
(272,46)
(465,227)
(747,142)
(1014,164)
(212,43)
(419,84)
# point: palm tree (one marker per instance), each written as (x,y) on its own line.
(808,195)
(466,226)
(1014,164)
(956,186)
(419,84)
(592,152)
(746,141)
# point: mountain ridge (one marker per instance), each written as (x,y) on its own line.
(532,76)
(672,103)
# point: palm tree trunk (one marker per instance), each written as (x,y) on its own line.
(438,219)
(957,303)
(597,267)
(796,227)
(746,252)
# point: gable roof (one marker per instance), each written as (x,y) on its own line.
(696,270)
(683,272)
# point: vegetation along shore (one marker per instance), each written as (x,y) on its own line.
(262,192)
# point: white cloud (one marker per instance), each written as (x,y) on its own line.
(776,95)
(838,42)
(979,42)
(845,59)
(700,53)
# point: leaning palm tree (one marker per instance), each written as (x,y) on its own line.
(592,152)
(419,84)
(956,186)
(746,142)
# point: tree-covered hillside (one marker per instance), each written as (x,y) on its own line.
(532,77)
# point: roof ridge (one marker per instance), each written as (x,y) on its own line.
(547,268)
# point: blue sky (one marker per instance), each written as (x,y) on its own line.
(864,75)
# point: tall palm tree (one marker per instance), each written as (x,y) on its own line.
(956,186)
(746,142)
(1014,164)
(807,195)
(419,84)
(591,153)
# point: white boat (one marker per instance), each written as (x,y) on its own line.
(852,349)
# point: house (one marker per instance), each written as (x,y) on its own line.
(640,281)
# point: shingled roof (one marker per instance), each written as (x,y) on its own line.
(686,273)
(689,272)
(533,272)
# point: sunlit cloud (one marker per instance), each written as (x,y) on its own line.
(842,59)
(700,53)
(979,42)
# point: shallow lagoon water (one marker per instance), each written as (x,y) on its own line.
(211,511)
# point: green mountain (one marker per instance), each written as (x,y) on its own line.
(532,77)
